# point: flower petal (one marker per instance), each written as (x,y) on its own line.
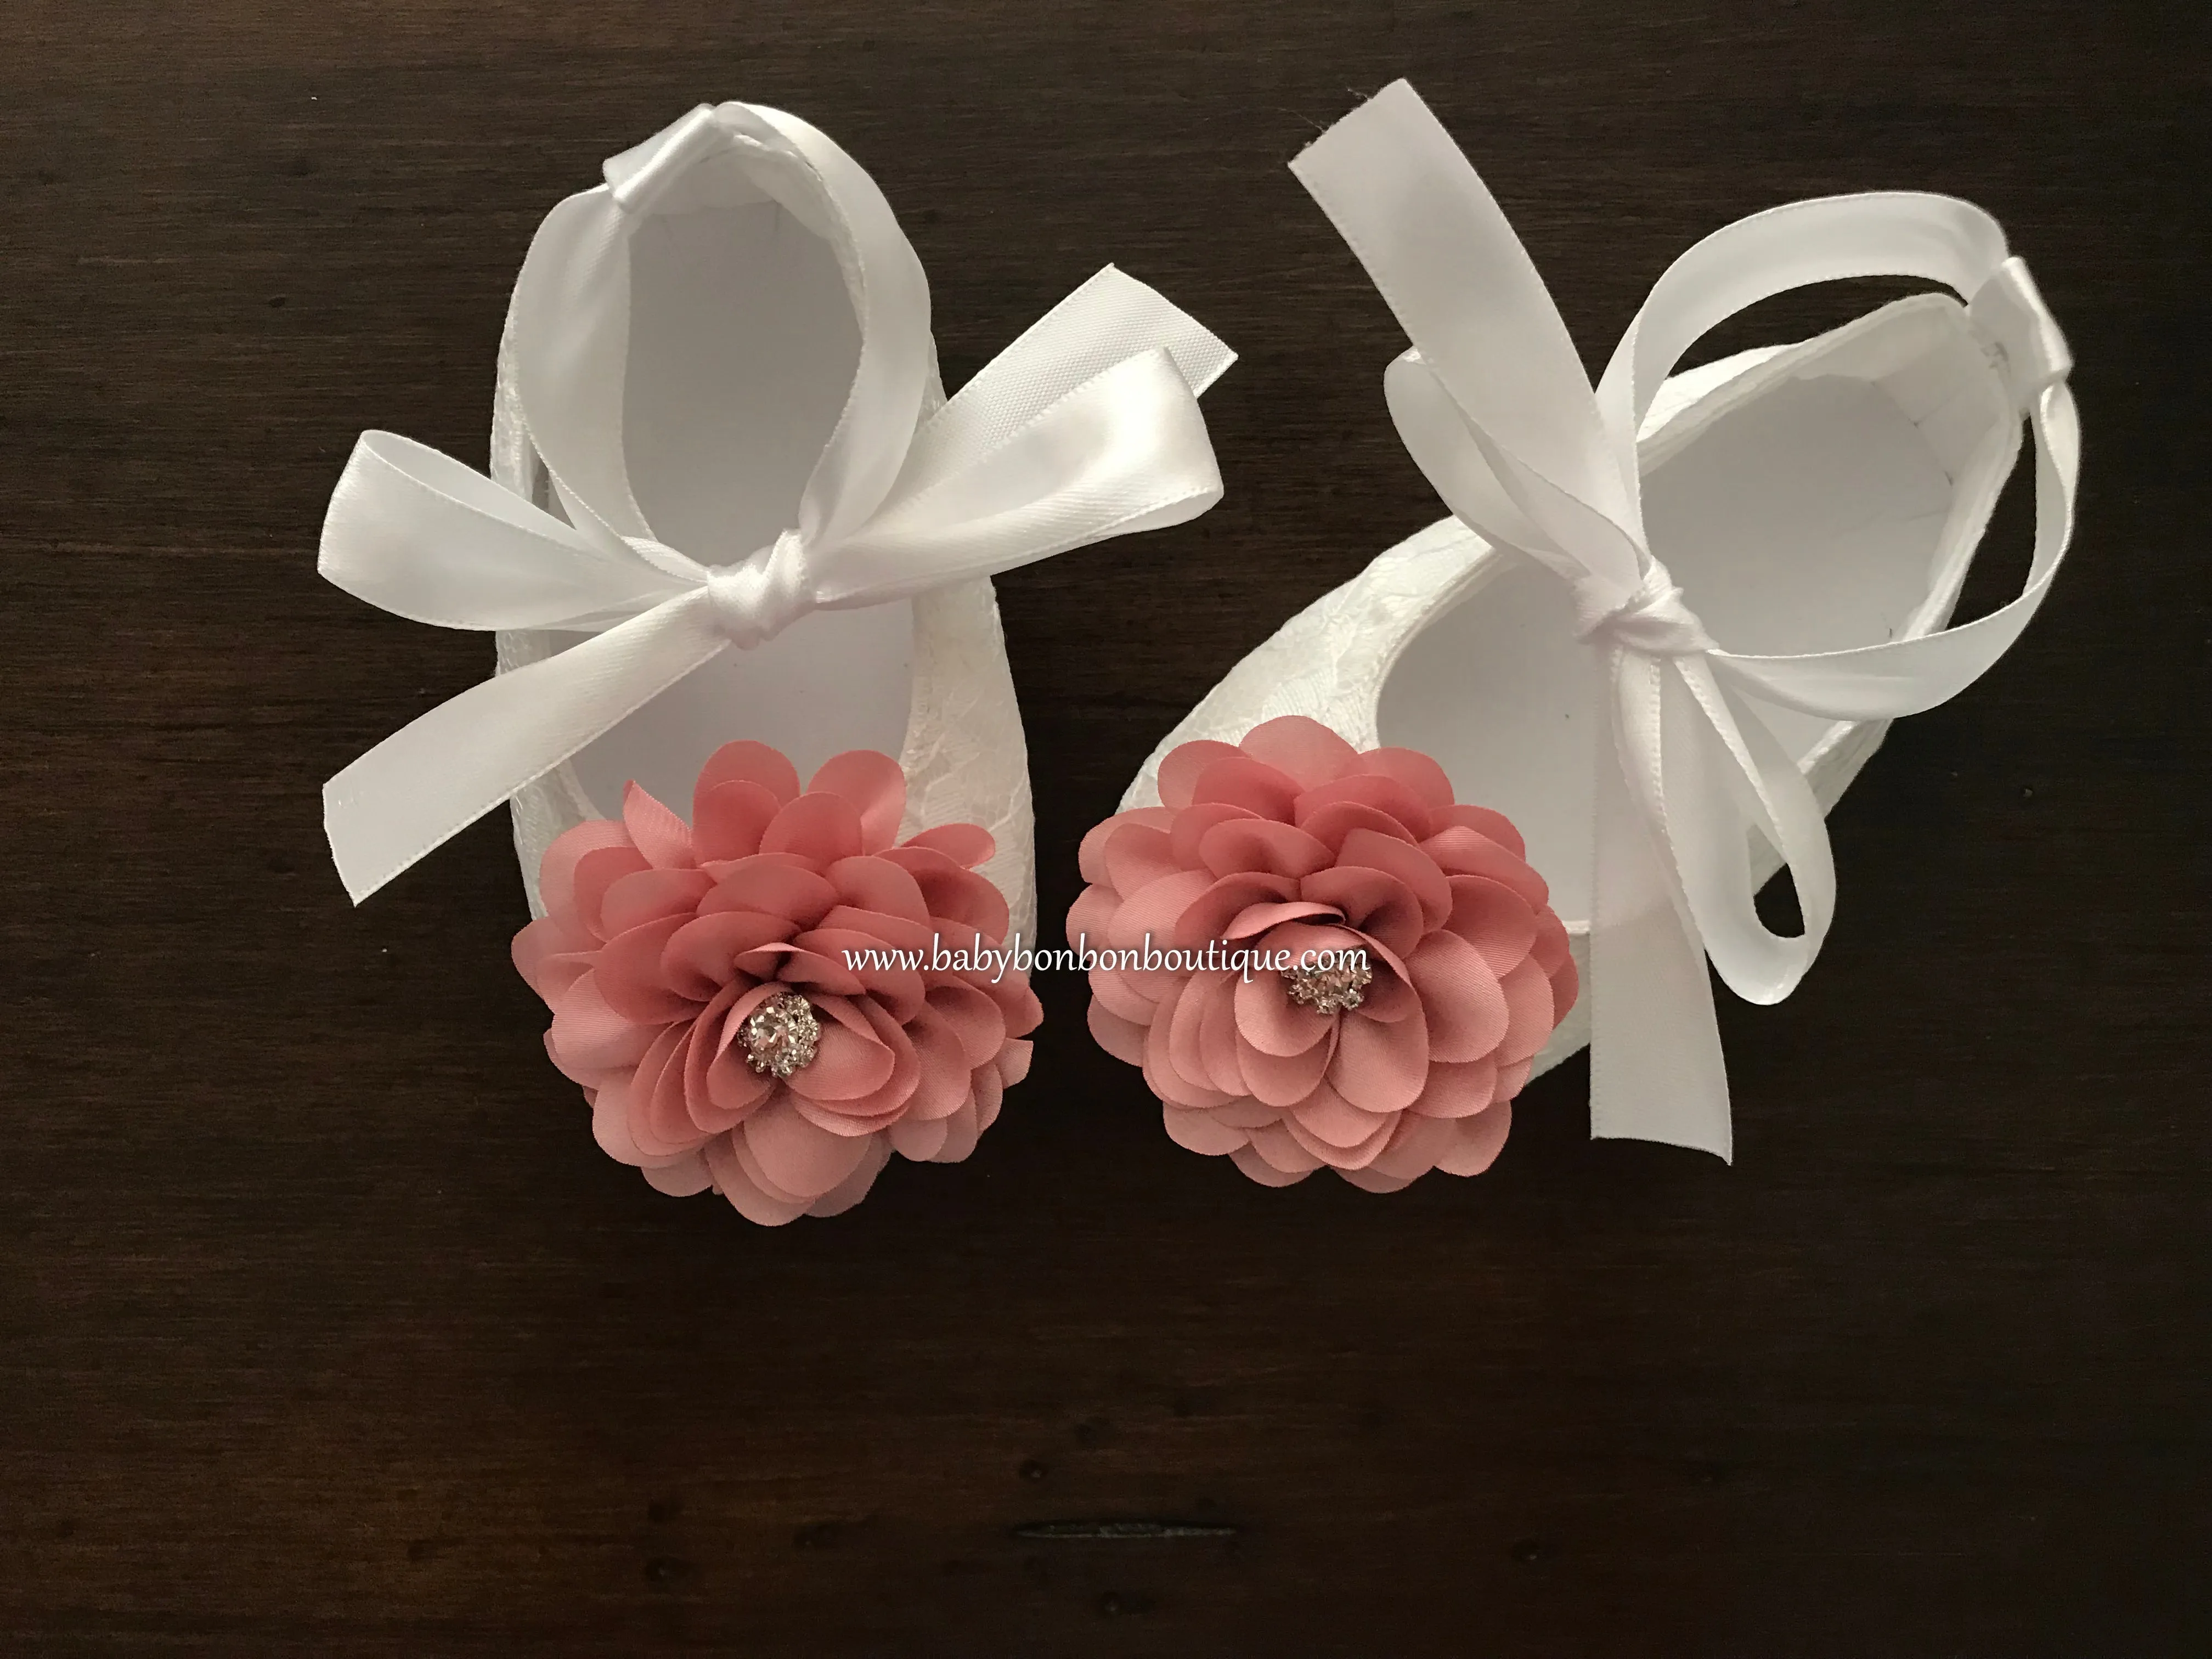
(1089,917)
(1566,986)
(1124,1039)
(1479,1140)
(820,828)
(1151,912)
(945,1082)
(728,820)
(1280,849)
(1459,851)
(856,1186)
(1091,856)
(1221,1054)
(1186,1019)
(597,871)
(1495,920)
(1373,1180)
(1415,1146)
(1180,766)
(1372,901)
(1329,824)
(630,976)
(1531,1017)
(738,1180)
(775,885)
(1330,1118)
(1257,1168)
(1270,1023)
(876,786)
(1136,855)
(556,871)
(1279,1150)
(972,1017)
(1206,918)
(588,1036)
(961,1130)
(655,831)
(797,1155)
(701,954)
(1241,781)
(1379,1067)
(658,1121)
(860,969)
(647,896)
(1192,824)
(1201,1132)
(1461,999)
(1162,1076)
(1392,799)
(966,844)
(954,893)
(1459,1090)
(918,1139)
(1409,865)
(1304,750)
(847,1065)
(550,952)
(749,763)
(1550,948)
(687,1176)
(1493,826)
(1419,773)
(1283,1081)
(897,1094)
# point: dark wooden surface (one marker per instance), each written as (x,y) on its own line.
(324,1329)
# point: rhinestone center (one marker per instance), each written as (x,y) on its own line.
(782,1034)
(1330,990)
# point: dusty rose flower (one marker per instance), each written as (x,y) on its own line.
(1292,841)
(700,993)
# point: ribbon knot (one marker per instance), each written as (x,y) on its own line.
(1653,619)
(755,601)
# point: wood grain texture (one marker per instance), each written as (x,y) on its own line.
(324,1329)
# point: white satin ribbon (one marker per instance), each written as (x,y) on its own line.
(1494,406)
(1084,429)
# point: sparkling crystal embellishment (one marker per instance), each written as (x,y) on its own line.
(1330,990)
(782,1034)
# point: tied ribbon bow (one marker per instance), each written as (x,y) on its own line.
(1086,428)
(1494,406)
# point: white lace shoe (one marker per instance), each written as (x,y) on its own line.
(1669,622)
(735,536)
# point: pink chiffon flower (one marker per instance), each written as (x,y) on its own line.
(1294,841)
(662,939)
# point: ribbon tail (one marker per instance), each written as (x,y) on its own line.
(1124,451)
(1111,318)
(414,532)
(433,777)
(1656,1070)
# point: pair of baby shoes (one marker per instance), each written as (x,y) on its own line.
(1502,794)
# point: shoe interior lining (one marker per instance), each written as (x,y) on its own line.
(743,344)
(1835,505)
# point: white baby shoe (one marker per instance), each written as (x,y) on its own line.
(736,535)
(1671,618)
